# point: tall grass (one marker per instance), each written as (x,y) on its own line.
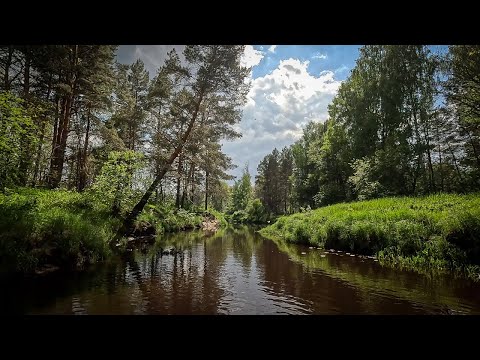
(71,229)
(440,231)
(62,228)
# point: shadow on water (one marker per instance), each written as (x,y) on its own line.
(236,271)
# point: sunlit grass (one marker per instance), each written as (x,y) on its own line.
(440,231)
(59,227)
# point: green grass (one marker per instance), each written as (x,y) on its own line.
(70,229)
(61,228)
(439,232)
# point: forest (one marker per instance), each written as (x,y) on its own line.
(93,152)
(405,123)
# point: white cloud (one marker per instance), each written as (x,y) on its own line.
(272,48)
(319,56)
(278,107)
(251,57)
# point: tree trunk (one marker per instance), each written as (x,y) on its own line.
(58,156)
(432,186)
(8,62)
(459,174)
(26,75)
(206,189)
(83,164)
(39,153)
(137,209)
(179,180)
(25,159)
(185,187)
(440,161)
(192,188)
(42,136)
(430,167)
(440,165)
(55,125)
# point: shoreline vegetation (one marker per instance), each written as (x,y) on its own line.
(44,230)
(436,233)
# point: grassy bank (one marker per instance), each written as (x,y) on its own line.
(440,232)
(61,228)
(68,229)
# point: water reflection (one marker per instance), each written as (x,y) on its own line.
(236,271)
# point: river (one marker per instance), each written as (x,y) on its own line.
(238,272)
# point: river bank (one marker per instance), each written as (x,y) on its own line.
(44,230)
(434,233)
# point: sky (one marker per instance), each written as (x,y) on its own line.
(290,86)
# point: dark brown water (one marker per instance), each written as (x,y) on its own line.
(239,272)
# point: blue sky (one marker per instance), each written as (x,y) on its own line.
(322,57)
(290,86)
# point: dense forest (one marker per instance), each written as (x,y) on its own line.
(73,118)
(94,149)
(405,123)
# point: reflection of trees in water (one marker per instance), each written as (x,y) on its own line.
(376,287)
(242,244)
(183,283)
(213,269)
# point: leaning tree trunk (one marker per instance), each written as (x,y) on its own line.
(179,180)
(206,190)
(137,209)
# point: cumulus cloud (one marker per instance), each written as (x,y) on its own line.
(251,57)
(278,107)
(272,48)
(319,56)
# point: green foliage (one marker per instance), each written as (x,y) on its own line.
(387,134)
(364,181)
(273,184)
(62,228)
(16,130)
(241,192)
(441,231)
(219,216)
(113,186)
(239,217)
(165,218)
(256,212)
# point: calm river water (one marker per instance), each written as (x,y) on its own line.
(239,272)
